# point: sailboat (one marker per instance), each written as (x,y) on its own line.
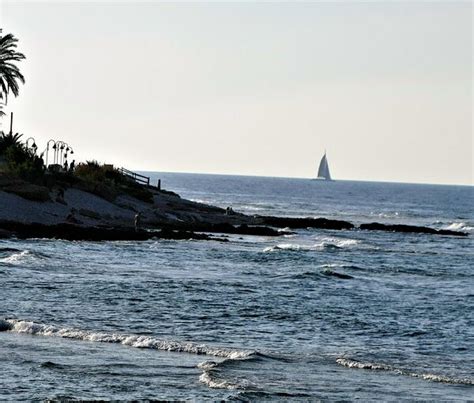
(323,171)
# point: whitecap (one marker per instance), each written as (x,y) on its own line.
(458,226)
(208,380)
(210,377)
(325,243)
(336,243)
(349,363)
(32,328)
(16,258)
(286,246)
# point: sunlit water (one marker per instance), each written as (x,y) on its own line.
(257,317)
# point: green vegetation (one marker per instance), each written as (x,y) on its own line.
(10,75)
(23,172)
(18,160)
(107,182)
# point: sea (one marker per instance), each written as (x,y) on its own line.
(313,315)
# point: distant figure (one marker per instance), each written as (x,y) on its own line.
(229,211)
(71,218)
(159,184)
(72,165)
(60,196)
(138,221)
(65,166)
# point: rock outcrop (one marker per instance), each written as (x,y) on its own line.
(410,228)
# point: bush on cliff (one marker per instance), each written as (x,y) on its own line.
(20,161)
(107,182)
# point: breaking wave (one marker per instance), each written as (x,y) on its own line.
(336,243)
(212,375)
(16,256)
(323,244)
(350,363)
(37,329)
(459,226)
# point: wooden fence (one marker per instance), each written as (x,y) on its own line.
(141,179)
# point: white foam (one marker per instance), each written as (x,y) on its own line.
(26,327)
(336,242)
(325,243)
(286,229)
(16,258)
(286,246)
(207,365)
(384,367)
(363,365)
(209,378)
(331,265)
(459,226)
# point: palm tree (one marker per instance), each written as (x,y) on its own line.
(10,75)
(8,140)
(1,106)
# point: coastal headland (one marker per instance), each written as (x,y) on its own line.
(74,209)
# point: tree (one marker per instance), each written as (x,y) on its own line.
(1,106)
(10,75)
(8,140)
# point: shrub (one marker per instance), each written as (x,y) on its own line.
(23,163)
(107,182)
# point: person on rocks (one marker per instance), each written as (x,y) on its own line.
(60,196)
(71,218)
(138,221)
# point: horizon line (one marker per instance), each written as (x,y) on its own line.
(307,178)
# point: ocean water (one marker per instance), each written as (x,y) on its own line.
(330,315)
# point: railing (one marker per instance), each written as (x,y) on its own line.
(142,179)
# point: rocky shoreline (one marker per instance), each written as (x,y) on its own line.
(85,216)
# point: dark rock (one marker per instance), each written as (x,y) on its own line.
(72,232)
(226,228)
(331,273)
(5,234)
(324,223)
(89,213)
(4,326)
(409,228)
(171,234)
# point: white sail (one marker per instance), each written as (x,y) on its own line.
(323,171)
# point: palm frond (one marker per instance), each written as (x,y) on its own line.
(10,75)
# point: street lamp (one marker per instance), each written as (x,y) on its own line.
(34,147)
(58,151)
(47,149)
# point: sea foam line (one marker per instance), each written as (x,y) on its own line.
(211,370)
(323,244)
(37,329)
(349,363)
(458,226)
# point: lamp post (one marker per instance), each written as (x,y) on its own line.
(34,147)
(47,149)
(65,152)
(58,152)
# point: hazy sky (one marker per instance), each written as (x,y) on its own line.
(252,88)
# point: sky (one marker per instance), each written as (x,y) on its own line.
(251,88)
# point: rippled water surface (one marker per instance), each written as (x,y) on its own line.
(318,314)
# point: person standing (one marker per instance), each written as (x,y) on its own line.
(138,221)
